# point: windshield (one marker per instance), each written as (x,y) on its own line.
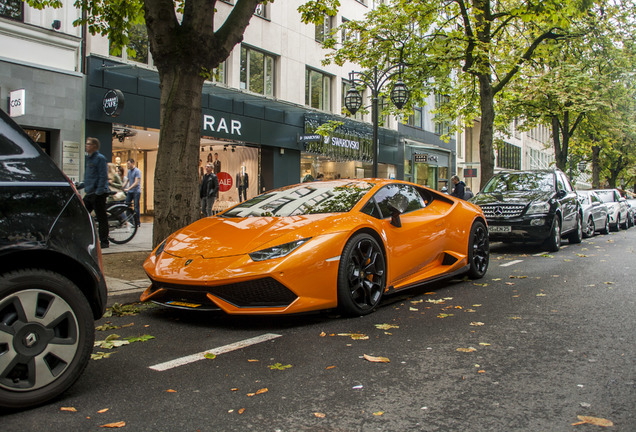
(302,199)
(606,196)
(521,182)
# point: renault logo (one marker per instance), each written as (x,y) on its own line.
(498,211)
(30,340)
(188,262)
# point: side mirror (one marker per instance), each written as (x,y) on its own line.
(561,194)
(398,204)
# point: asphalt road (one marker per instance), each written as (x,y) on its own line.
(542,339)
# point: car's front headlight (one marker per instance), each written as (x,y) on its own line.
(537,207)
(277,251)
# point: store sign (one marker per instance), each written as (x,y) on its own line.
(225,181)
(470,172)
(17,103)
(424,158)
(343,144)
(228,126)
(113,103)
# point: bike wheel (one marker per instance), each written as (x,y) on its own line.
(121,225)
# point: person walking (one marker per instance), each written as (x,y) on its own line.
(460,187)
(133,188)
(96,187)
(208,190)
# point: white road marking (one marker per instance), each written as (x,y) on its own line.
(216,351)
(511,263)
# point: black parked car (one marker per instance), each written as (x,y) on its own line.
(531,206)
(52,286)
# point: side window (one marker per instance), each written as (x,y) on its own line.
(383,196)
(559,183)
(566,183)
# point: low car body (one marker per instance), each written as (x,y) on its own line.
(319,245)
(616,206)
(531,206)
(52,286)
(595,213)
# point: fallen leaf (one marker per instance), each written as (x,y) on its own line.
(241,411)
(102,411)
(106,327)
(581,255)
(330,367)
(209,356)
(443,315)
(323,334)
(480,284)
(515,318)
(68,409)
(470,310)
(469,349)
(143,338)
(413,309)
(100,355)
(541,295)
(481,371)
(320,415)
(171,391)
(386,326)
(484,344)
(510,283)
(252,360)
(261,391)
(416,301)
(476,323)
(378,413)
(234,389)
(496,279)
(279,366)
(440,301)
(594,421)
(120,424)
(376,359)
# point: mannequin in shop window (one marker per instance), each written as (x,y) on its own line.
(216,164)
(242,183)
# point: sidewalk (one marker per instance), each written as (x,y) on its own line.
(126,291)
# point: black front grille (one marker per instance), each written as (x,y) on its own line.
(265,292)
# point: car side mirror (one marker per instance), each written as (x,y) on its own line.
(561,194)
(397,204)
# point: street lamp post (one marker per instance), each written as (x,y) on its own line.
(375,80)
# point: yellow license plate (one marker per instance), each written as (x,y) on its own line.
(184,304)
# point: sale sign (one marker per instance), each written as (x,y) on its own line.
(225,181)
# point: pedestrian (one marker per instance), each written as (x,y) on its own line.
(208,190)
(459,189)
(133,188)
(96,187)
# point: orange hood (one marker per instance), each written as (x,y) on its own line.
(216,237)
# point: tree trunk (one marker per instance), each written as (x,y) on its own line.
(177,201)
(561,139)
(487,106)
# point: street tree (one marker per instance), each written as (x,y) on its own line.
(186,46)
(467,51)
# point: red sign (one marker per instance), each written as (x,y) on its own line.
(225,181)
(470,172)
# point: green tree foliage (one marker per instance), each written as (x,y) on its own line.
(468,51)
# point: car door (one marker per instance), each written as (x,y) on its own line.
(420,237)
(569,202)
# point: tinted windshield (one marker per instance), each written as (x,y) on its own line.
(306,198)
(521,182)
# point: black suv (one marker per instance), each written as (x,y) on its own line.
(531,206)
(52,286)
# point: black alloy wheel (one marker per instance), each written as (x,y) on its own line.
(46,336)
(590,228)
(478,250)
(553,242)
(361,276)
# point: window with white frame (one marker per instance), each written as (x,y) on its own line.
(416,119)
(257,71)
(317,89)
(262,10)
(323,28)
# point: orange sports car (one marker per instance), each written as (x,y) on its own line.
(320,245)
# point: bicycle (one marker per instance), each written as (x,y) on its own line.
(121,222)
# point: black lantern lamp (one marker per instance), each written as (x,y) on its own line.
(353,100)
(400,94)
(582,166)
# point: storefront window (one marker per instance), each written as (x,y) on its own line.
(317,90)
(257,71)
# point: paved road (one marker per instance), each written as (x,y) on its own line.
(541,339)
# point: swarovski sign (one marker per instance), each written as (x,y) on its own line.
(345,143)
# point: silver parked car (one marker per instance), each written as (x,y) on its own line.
(595,213)
(617,207)
(631,203)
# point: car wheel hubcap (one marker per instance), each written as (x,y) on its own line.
(366,274)
(481,250)
(38,339)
